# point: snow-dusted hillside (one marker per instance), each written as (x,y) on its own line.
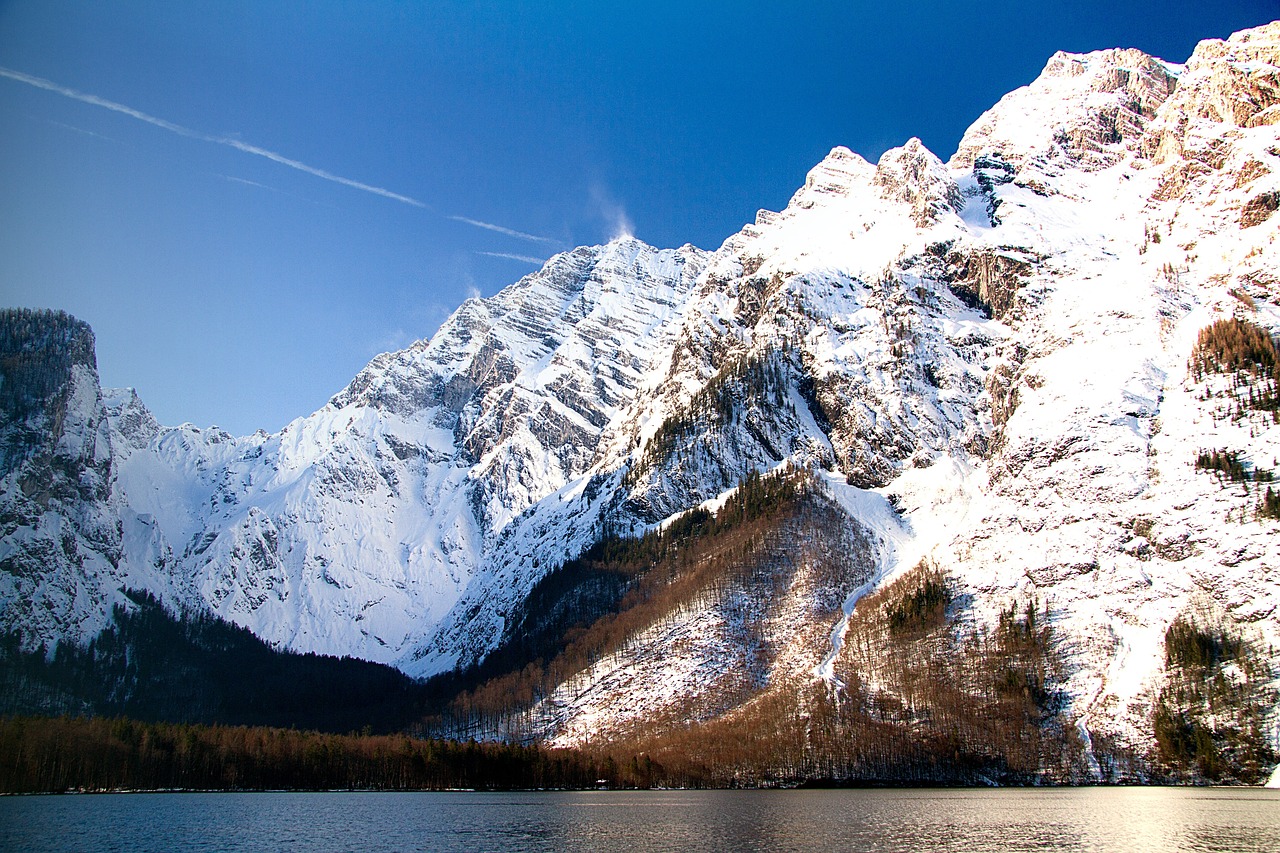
(997,345)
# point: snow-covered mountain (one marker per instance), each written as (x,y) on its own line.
(355,530)
(988,362)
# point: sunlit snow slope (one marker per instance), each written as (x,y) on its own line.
(1000,342)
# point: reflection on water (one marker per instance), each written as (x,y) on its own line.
(1131,820)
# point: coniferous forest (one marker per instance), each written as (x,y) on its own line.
(151,665)
(43,754)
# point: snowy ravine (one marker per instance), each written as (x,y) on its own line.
(998,343)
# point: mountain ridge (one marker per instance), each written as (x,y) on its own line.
(928,334)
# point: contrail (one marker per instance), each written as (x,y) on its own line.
(81,130)
(49,85)
(526,258)
(510,232)
(248,182)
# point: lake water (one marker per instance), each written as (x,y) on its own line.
(1130,820)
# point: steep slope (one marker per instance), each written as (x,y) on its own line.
(803,341)
(1071,477)
(725,597)
(994,365)
(353,530)
(1093,489)
(60,537)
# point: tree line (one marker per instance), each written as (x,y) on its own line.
(924,692)
(56,754)
(1229,466)
(920,697)
(151,664)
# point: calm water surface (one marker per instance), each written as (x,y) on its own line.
(1131,820)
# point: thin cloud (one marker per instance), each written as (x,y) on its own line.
(257,151)
(230,142)
(510,232)
(526,258)
(248,182)
(613,213)
(256,185)
(81,130)
(391,342)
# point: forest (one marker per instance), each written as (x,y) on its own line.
(57,754)
(592,605)
(153,665)
(37,351)
(1210,717)
(1245,352)
(922,696)
(917,702)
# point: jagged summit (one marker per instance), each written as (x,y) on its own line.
(1235,83)
(526,322)
(980,366)
(1087,109)
(833,177)
(913,175)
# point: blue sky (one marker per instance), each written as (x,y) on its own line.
(143,186)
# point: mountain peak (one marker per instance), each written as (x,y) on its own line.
(1234,82)
(1099,66)
(913,175)
(833,178)
(1266,33)
(1088,108)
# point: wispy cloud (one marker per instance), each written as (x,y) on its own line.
(613,213)
(248,182)
(392,341)
(230,142)
(510,232)
(256,185)
(257,151)
(84,132)
(526,258)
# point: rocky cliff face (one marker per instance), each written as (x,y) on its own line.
(60,533)
(1083,110)
(987,359)
(1226,84)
